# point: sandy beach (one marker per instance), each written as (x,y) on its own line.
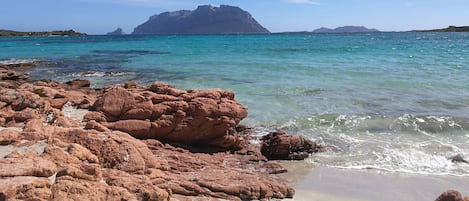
(323,183)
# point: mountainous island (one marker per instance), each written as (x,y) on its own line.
(448,29)
(70,32)
(205,19)
(345,29)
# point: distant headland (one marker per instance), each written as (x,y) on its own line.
(205,19)
(448,29)
(70,32)
(343,29)
(346,29)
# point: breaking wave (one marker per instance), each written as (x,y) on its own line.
(419,144)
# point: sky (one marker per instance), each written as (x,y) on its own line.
(102,16)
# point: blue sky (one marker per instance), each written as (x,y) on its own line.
(101,16)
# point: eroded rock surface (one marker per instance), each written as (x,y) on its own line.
(121,150)
(159,111)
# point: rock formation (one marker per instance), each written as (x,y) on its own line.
(48,152)
(203,20)
(451,195)
(280,145)
(116,32)
(159,111)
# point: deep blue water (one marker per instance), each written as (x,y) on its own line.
(387,101)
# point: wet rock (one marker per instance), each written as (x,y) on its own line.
(17,65)
(459,158)
(279,145)
(451,195)
(12,75)
(130,85)
(78,83)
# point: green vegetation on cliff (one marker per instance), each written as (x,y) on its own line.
(44,33)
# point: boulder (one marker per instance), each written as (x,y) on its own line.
(279,145)
(196,117)
(78,83)
(6,74)
(451,195)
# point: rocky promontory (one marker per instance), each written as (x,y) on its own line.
(203,20)
(70,32)
(345,29)
(66,141)
(448,29)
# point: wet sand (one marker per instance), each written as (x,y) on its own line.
(322,183)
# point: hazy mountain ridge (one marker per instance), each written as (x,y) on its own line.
(345,29)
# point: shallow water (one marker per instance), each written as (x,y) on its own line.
(388,101)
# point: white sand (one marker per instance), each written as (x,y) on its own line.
(322,183)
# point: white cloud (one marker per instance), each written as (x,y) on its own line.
(304,2)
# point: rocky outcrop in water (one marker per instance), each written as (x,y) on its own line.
(280,145)
(47,151)
(116,32)
(203,20)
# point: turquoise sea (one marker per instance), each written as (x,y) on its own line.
(387,101)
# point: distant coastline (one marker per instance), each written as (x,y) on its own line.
(70,32)
(448,29)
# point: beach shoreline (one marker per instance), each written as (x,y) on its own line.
(325,183)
